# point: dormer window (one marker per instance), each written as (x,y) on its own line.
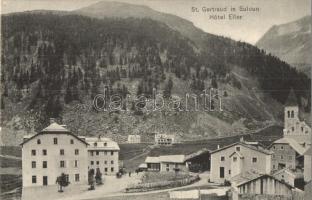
(38,141)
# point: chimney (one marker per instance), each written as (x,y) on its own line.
(52,120)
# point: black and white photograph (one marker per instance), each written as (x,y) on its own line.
(155,100)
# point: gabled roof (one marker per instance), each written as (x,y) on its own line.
(294,173)
(168,159)
(53,128)
(262,176)
(102,144)
(172,158)
(259,149)
(149,159)
(197,153)
(292,99)
(293,143)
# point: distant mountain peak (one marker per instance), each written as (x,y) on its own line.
(291,42)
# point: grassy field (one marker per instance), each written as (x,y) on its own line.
(128,151)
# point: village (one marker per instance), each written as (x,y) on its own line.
(57,164)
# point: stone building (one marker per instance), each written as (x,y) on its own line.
(287,154)
(51,152)
(238,158)
(103,154)
(164,139)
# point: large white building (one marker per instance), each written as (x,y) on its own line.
(103,153)
(55,150)
(238,158)
(51,152)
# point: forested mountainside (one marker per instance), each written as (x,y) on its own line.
(54,64)
(291,42)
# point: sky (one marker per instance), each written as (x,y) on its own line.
(250,28)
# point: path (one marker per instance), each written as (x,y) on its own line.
(102,194)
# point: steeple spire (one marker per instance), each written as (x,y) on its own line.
(292,99)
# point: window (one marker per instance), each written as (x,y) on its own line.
(105,169)
(97,153)
(112,153)
(62,163)
(91,153)
(302,129)
(76,151)
(33,164)
(33,152)
(221,172)
(234,159)
(282,147)
(95,144)
(288,114)
(72,142)
(76,163)
(55,140)
(105,144)
(237,148)
(273,166)
(282,157)
(97,162)
(229,171)
(105,162)
(77,177)
(105,152)
(112,162)
(92,162)
(273,147)
(44,152)
(34,179)
(292,114)
(292,129)
(62,152)
(254,160)
(38,141)
(44,164)
(222,158)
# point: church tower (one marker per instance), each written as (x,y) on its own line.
(291,113)
(294,127)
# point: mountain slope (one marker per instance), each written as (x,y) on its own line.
(124,10)
(54,65)
(291,42)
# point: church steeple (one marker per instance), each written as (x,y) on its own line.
(292,99)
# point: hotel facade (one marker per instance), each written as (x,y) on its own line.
(56,150)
